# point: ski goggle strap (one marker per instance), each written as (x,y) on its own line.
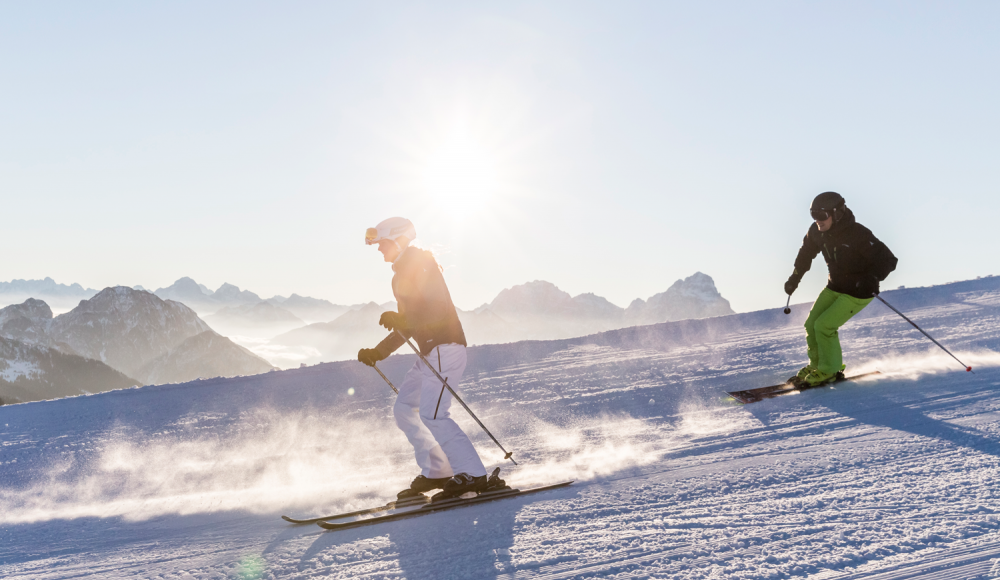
(371,236)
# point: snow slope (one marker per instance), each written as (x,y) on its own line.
(887,478)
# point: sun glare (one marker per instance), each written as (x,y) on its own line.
(460,178)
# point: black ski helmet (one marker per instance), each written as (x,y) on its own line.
(827,203)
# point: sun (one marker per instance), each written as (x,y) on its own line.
(460,178)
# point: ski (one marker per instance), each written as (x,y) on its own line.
(754,395)
(414,501)
(440,506)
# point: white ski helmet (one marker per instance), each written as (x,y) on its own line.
(391,229)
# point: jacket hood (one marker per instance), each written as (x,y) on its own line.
(846,221)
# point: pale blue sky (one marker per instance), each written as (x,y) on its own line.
(606,147)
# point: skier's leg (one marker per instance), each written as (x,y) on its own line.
(827,328)
(429,455)
(825,299)
(435,404)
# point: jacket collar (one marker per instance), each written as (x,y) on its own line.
(400,258)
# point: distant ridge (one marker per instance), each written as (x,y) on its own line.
(60,295)
(539,310)
(203,355)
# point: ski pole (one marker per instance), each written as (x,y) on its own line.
(444,381)
(967,368)
(787,309)
(391,386)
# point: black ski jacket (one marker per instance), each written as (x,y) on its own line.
(857,260)
(424,301)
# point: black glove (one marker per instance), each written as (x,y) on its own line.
(791,284)
(370,356)
(393,321)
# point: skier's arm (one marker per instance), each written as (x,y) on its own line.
(389,344)
(402,290)
(880,259)
(803,261)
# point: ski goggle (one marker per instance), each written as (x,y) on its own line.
(820,214)
(371,236)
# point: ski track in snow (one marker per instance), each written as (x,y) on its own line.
(886,478)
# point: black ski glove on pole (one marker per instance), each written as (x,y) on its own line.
(791,284)
(393,321)
(370,356)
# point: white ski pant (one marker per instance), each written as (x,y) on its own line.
(422,408)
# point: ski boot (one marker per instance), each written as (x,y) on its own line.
(800,376)
(462,483)
(420,485)
(817,378)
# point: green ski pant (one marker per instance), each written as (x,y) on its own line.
(830,311)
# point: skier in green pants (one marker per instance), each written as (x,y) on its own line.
(857,261)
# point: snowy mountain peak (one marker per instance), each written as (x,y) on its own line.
(118,299)
(232,294)
(596,304)
(693,297)
(125,327)
(184,290)
(530,298)
(27,322)
(31,309)
(697,285)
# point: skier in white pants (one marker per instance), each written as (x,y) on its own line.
(446,456)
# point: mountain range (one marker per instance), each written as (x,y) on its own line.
(535,310)
(61,296)
(204,301)
(302,330)
(132,332)
(541,311)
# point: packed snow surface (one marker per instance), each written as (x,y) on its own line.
(894,477)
